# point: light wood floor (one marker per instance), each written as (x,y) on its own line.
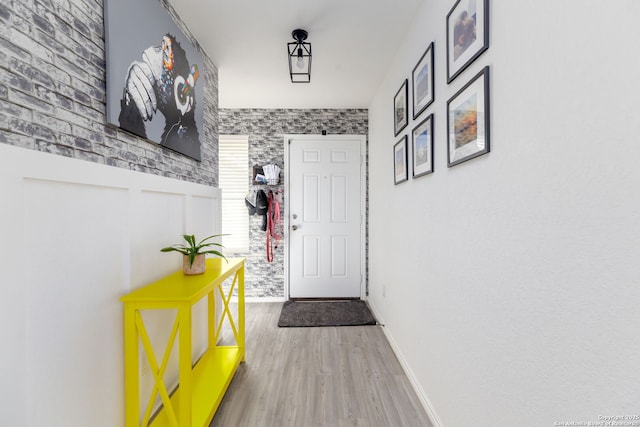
(317,377)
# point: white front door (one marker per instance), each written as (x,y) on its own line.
(325,216)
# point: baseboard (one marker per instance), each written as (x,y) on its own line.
(248,300)
(375,312)
(424,400)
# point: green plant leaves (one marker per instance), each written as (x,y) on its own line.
(194,248)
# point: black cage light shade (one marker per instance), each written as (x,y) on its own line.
(299,57)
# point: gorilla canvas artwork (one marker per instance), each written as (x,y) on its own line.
(154,87)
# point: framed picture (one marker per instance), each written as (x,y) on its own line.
(400,109)
(422,78)
(400,172)
(154,86)
(422,147)
(467,34)
(468,120)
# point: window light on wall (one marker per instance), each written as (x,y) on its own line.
(233,173)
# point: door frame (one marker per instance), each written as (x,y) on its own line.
(363,205)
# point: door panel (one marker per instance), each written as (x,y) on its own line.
(339,257)
(324,217)
(339,198)
(311,257)
(311,198)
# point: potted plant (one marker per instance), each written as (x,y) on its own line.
(194,254)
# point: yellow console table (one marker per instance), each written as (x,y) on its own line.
(201,387)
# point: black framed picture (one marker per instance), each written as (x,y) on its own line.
(422,147)
(468,120)
(422,79)
(400,164)
(400,109)
(467,34)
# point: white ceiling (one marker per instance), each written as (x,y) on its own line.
(353,43)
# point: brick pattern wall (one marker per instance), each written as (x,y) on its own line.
(266,129)
(52,92)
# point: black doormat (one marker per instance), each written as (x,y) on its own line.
(300,314)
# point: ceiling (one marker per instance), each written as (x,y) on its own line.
(353,43)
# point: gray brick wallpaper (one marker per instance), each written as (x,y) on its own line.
(52,92)
(52,99)
(266,129)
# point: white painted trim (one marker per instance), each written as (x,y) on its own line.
(363,206)
(424,400)
(264,299)
(252,300)
(60,199)
(285,220)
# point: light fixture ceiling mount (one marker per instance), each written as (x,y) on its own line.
(299,57)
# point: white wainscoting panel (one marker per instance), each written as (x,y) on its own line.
(77,236)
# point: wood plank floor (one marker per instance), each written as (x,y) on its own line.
(317,377)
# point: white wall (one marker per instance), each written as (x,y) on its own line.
(510,283)
(75,237)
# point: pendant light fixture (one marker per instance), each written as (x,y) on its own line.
(299,57)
